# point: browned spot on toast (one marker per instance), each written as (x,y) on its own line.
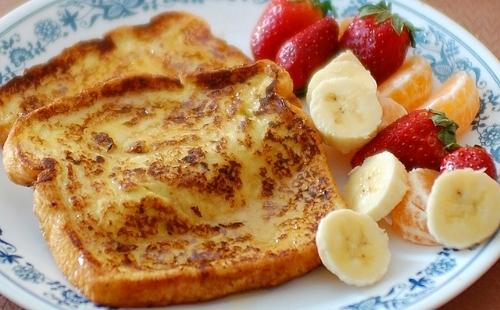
(103,139)
(223,78)
(138,147)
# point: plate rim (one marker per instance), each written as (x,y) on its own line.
(26,298)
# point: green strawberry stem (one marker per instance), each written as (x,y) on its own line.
(448,128)
(383,11)
(325,6)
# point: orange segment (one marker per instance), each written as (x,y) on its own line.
(411,85)
(391,111)
(408,219)
(458,98)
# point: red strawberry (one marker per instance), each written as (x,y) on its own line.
(302,54)
(281,20)
(379,39)
(474,157)
(422,138)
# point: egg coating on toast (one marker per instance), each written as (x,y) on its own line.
(153,190)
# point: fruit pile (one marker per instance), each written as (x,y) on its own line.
(379,107)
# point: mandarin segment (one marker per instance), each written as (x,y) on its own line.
(391,111)
(344,24)
(409,219)
(411,85)
(458,98)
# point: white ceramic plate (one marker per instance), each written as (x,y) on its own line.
(419,277)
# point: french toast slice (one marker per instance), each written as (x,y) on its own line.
(171,44)
(154,191)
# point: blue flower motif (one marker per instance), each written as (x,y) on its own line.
(68,19)
(442,70)
(28,273)
(450,48)
(367,304)
(7,44)
(448,60)
(6,75)
(7,258)
(421,38)
(72,298)
(466,65)
(66,296)
(47,30)
(490,136)
(18,56)
(423,282)
(495,152)
(440,266)
(7,251)
(489,98)
(446,251)
(119,8)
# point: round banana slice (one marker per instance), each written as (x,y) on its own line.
(353,247)
(347,69)
(377,186)
(345,65)
(463,208)
(345,113)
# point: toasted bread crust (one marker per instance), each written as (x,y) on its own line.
(175,217)
(176,286)
(172,44)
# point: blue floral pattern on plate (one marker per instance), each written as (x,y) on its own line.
(417,287)
(61,294)
(442,51)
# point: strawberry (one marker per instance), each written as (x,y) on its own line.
(281,20)
(379,39)
(420,139)
(302,54)
(474,157)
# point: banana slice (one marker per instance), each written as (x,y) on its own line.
(345,112)
(353,247)
(345,65)
(463,208)
(377,186)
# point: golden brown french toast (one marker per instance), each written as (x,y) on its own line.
(171,44)
(154,190)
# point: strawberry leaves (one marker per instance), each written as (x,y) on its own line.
(383,11)
(448,128)
(326,7)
